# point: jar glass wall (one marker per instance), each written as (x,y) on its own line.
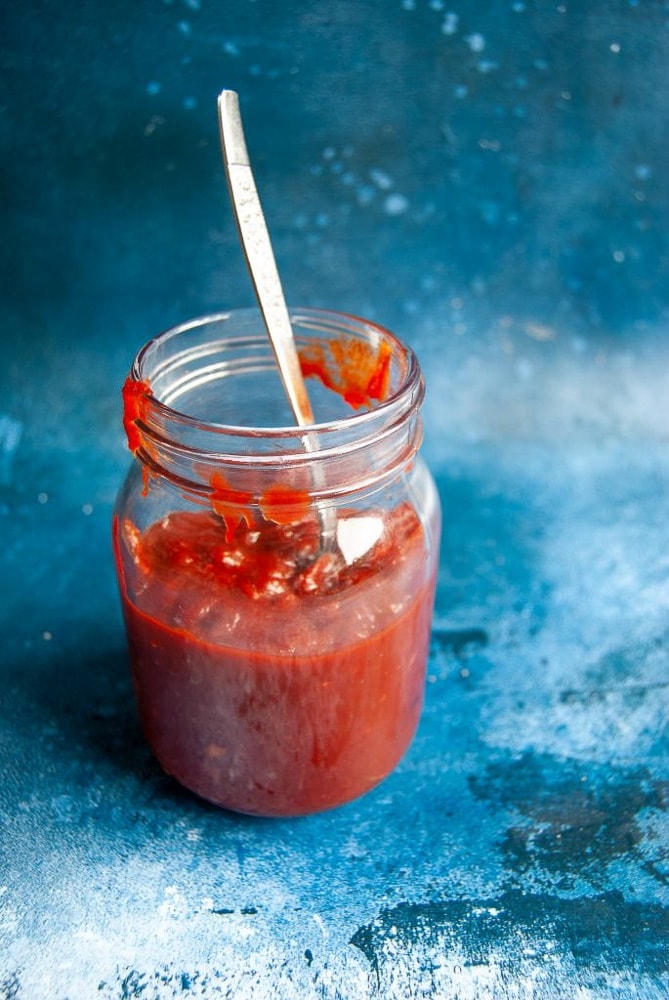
(277,583)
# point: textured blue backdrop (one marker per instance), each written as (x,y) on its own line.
(489,181)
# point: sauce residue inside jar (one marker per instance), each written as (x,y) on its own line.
(355,370)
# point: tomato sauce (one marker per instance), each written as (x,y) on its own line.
(134,394)
(350,367)
(272,678)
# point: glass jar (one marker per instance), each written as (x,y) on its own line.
(277,582)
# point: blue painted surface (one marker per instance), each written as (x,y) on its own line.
(490,182)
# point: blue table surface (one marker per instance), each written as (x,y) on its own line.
(490,182)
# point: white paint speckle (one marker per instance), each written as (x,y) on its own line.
(615,47)
(476,42)
(618,256)
(42,498)
(395,204)
(152,125)
(382,180)
(450,24)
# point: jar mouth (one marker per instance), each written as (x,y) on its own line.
(189,383)
(160,362)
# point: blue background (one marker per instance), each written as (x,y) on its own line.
(489,181)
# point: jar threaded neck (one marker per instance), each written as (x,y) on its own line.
(207,402)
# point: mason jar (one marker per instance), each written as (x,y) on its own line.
(277,582)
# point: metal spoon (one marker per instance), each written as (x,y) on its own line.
(262,267)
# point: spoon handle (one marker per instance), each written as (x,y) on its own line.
(259,254)
(267,284)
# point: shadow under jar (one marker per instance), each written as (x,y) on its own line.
(279,668)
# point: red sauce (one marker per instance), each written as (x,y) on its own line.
(135,395)
(273,679)
(350,367)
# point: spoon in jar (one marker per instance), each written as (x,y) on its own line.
(261,264)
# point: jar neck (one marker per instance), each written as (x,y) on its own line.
(204,406)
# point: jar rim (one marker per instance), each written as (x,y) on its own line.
(409,392)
